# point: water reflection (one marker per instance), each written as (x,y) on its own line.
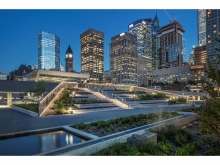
(37,143)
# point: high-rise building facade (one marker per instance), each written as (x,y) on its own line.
(155,43)
(92,54)
(191,60)
(48,51)
(143,74)
(142,29)
(3,76)
(201,17)
(124,59)
(212,32)
(170,45)
(199,55)
(69,59)
(184,49)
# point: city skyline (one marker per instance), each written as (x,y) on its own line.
(18,43)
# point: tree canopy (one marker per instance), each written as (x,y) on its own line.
(210,111)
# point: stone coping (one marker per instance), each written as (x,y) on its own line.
(95,105)
(147,101)
(25,111)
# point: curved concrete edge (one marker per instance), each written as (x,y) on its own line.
(25,111)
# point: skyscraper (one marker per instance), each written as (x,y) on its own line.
(92,54)
(69,59)
(124,59)
(48,51)
(201,17)
(212,32)
(155,39)
(170,41)
(184,49)
(200,55)
(142,29)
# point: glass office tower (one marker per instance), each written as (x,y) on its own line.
(92,54)
(124,59)
(142,29)
(201,16)
(48,51)
(212,32)
(155,43)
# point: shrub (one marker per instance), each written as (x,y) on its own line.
(188,150)
(180,100)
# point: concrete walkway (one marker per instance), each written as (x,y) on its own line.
(12,121)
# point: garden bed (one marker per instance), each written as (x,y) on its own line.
(103,128)
(28,106)
(91,101)
(180,100)
(171,140)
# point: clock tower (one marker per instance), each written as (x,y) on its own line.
(69,59)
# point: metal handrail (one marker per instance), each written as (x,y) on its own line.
(102,92)
(46,101)
(122,100)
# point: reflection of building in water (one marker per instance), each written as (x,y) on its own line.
(69,139)
(49,141)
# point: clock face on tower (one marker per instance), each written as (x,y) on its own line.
(69,56)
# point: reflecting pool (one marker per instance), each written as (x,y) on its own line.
(37,143)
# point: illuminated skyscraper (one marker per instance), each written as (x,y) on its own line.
(124,59)
(48,51)
(171,44)
(142,29)
(155,43)
(92,54)
(212,32)
(184,49)
(201,16)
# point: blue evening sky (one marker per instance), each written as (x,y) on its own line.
(19,31)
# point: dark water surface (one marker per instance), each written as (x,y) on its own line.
(37,143)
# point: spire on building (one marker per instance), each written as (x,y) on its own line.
(156,20)
(69,50)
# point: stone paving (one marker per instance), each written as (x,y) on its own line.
(12,121)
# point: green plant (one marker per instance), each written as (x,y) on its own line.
(186,150)
(180,100)
(28,106)
(180,139)
(120,149)
(39,89)
(209,113)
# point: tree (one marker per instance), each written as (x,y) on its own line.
(39,89)
(210,111)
